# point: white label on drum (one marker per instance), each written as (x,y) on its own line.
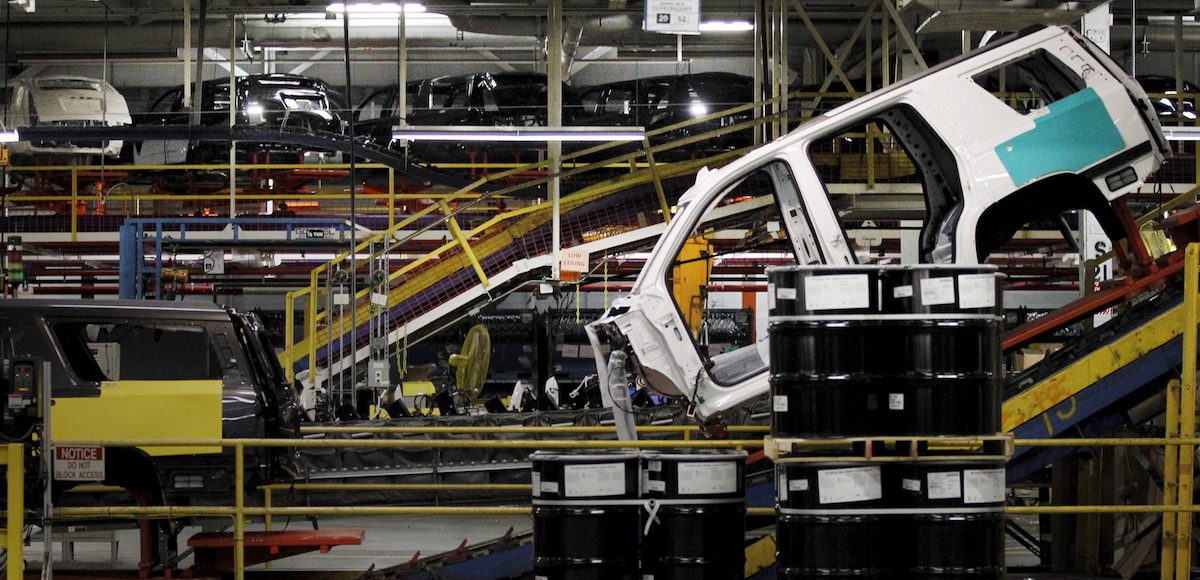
(910,484)
(983,485)
(779,404)
(535,479)
(707,477)
(936,291)
(798,485)
(849,484)
(654,465)
(977,290)
(785,293)
(594,479)
(656,485)
(550,487)
(781,487)
(944,485)
(770,296)
(895,401)
(836,292)
(904,291)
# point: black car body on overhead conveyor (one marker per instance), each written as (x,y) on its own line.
(474,100)
(284,101)
(658,102)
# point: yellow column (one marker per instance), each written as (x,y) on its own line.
(392,196)
(289,336)
(1187,413)
(1170,482)
(15,524)
(74,205)
(239,517)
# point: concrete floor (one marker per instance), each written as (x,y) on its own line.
(389,541)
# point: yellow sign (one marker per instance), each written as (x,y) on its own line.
(5,157)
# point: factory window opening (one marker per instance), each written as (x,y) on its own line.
(1031,82)
(894,187)
(758,222)
(109,350)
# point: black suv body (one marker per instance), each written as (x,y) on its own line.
(657,102)
(142,369)
(282,101)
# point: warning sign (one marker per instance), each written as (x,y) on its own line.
(573,263)
(574,260)
(79,463)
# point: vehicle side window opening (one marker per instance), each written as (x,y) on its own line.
(1032,82)
(107,350)
(169,102)
(448,96)
(907,155)
(740,236)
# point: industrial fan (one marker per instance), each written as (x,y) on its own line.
(471,366)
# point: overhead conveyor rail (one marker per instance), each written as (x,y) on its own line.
(250,134)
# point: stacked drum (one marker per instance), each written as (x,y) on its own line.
(890,360)
(586,515)
(650,515)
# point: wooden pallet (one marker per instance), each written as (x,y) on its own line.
(884,449)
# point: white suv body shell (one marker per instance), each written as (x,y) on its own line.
(65,100)
(979,130)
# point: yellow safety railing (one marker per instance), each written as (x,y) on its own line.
(241,513)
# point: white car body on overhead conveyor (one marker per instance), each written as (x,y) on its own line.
(984,166)
(67,101)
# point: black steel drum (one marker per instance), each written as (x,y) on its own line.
(915,361)
(585,515)
(797,290)
(953,525)
(695,519)
(831,520)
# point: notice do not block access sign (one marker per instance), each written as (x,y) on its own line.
(79,463)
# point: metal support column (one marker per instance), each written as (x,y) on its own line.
(759,57)
(402,68)
(781,75)
(554,80)
(130,258)
(233,116)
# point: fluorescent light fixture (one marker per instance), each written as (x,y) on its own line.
(9,136)
(374,8)
(1181,133)
(517,134)
(726,26)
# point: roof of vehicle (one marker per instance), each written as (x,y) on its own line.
(660,78)
(40,79)
(133,308)
(270,79)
